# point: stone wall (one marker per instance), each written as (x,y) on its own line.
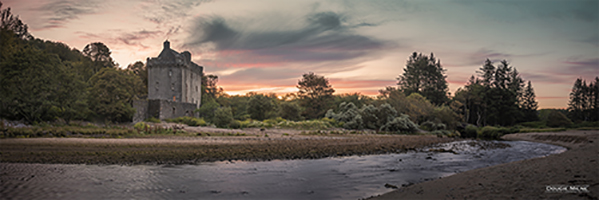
(162,109)
(141,110)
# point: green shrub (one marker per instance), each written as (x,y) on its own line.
(441,132)
(557,119)
(427,126)
(470,131)
(534,124)
(531,130)
(586,124)
(400,124)
(290,111)
(223,117)
(440,126)
(141,127)
(153,120)
(236,124)
(490,132)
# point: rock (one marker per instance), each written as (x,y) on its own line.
(387,185)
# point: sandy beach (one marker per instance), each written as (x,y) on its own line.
(558,176)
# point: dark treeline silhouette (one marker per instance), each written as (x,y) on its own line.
(584,101)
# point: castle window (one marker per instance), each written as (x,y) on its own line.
(170,72)
(196,88)
(174,110)
(172,86)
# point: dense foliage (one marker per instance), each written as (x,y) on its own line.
(45,81)
(584,101)
(424,75)
(497,97)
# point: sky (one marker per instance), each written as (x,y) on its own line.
(360,46)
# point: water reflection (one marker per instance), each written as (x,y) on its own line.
(351,177)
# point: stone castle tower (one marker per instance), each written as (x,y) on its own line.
(174,86)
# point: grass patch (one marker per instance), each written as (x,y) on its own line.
(190,121)
(533,130)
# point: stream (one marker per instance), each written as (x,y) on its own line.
(352,177)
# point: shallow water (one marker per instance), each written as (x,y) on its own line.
(351,177)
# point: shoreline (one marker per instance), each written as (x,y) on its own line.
(193,150)
(526,179)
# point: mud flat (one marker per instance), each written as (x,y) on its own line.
(193,150)
(573,174)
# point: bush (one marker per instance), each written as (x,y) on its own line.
(355,123)
(427,126)
(153,120)
(141,126)
(290,111)
(557,119)
(223,117)
(400,124)
(534,124)
(441,133)
(259,106)
(490,132)
(470,131)
(236,124)
(190,121)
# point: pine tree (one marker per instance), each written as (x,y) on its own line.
(576,100)
(529,104)
(424,75)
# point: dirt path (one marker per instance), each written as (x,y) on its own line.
(539,178)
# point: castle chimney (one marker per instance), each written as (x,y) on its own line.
(167,44)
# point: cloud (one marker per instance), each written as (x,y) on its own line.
(322,37)
(135,38)
(165,12)
(61,12)
(120,37)
(582,67)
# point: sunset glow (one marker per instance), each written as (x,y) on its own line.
(360,46)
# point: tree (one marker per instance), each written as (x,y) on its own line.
(29,83)
(139,69)
(210,91)
(111,92)
(99,53)
(424,75)
(529,104)
(223,117)
(259,107)
(496,96)
(583,104)
(290,111)
(315,95)
(13,23)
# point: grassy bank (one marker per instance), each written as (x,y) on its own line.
(182,150)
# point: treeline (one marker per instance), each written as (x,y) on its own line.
(48,81)
(584,101)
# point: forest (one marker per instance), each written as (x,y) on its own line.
(45,81)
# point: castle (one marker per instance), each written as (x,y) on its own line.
(174,86)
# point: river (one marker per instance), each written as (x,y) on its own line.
(351,177)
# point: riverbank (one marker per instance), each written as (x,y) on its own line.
(526,179)
(192,150)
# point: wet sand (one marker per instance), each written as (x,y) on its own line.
(526,179)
